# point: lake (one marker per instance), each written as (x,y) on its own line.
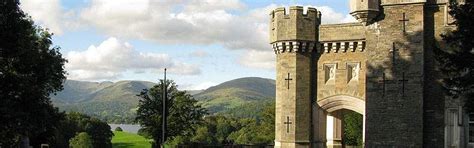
(131,128)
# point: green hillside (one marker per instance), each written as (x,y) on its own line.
(78,91)
(81,91)
(236,93)
(117,102)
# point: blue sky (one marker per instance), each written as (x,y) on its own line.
(201,42)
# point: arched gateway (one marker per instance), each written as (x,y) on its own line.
(375,67)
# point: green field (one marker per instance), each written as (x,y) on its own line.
(129,140)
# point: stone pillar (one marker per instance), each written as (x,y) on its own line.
(335,129)
(319,127)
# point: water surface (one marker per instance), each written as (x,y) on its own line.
(131,128)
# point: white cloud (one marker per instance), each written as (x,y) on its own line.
(199,53)
(194,22)
(197,22)
(50,14)
(200,22)
(348,19)
(112,58)
(258,59)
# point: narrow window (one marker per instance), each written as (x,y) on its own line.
(329,72)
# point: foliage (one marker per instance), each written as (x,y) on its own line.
(81,140)
(221,130)
(179,140)
(109,111)
(247,110)
(257,132)
(30,70)
(129,140)
(202,135)
(353,128)
(118,129)
(100,132)
(142,132)
(456,58)
(184,113)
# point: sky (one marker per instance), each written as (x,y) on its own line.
(201,42)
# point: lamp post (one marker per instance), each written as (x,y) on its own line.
(164,111)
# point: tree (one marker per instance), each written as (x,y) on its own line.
(267,123)
(222,130)
(99,132)
(254,131)
(142,132)
(81,140)
(118,129)
(203,135)
(457,57)
(30,70)
(353,128)
(184,112)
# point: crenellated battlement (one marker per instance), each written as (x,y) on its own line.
(295,11)
(296,24)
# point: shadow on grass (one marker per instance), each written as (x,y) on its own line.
(122,145)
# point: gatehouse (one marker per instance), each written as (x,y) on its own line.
(381,67)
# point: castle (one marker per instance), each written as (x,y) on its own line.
(382,67)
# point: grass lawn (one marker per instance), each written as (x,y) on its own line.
(129,140)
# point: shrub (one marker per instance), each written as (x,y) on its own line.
(81,140)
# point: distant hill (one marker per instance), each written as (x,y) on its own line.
(114,102)
(117,102)
(82,91)
(235,93)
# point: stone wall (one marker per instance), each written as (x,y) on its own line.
(395,108)
(436,19)
(343,83)
(342,32)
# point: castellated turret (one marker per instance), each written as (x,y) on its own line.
(364,11)
(297,25)
(294,37)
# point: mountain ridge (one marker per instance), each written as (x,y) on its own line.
(116,102)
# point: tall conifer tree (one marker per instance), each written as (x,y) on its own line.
(456,59)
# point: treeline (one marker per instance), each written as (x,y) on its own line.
(221,130)
(248,110)
(189,124)
(110,111)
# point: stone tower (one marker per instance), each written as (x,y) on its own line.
(364,11)
(294,37)
(382,67)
